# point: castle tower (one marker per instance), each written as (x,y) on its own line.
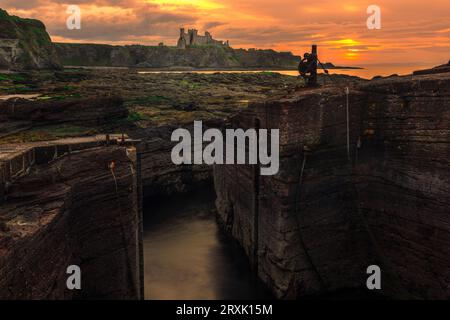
(192,38)
(182,40)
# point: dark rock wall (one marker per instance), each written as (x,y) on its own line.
(69,213)
(160,176)
(403,182)
(387,205)
(87,111)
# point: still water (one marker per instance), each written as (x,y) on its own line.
(367,72)
(187,256)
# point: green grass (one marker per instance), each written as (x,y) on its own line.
(17,78)
(12,77)
(15,84)
(65,88)
(136,116)
(44,98)
(189,85)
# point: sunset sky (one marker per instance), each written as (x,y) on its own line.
(413,32)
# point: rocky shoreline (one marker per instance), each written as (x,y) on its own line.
(149,100)
(383,138)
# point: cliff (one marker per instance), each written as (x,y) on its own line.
(323,219)
(62,206)
(207,56)
(25,44)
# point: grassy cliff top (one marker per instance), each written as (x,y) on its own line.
(36,50)
(13,27)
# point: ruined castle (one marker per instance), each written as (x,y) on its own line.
(193,38)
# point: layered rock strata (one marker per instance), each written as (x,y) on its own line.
(74,210)
(87,111)
(160,176)
(327,215)
(25,44)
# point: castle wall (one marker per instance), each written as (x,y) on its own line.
(193,38)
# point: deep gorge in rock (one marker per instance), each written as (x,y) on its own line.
(387,205)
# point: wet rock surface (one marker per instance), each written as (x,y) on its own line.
(318,230)
(93,112)
(152,99)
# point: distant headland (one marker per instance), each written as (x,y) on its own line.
(25,44)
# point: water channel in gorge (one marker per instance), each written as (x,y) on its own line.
(187,256)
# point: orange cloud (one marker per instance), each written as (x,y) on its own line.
(411,33)
(196,4)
